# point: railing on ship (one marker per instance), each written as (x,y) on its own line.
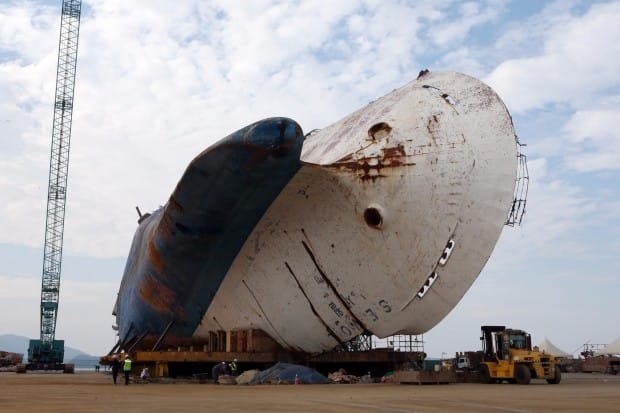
(519,199)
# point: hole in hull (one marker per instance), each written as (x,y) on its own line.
(379,131)
(373,217)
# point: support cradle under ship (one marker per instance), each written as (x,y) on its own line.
(377,224)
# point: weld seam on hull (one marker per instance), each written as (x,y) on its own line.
(264,314)
(331,285)
(329,330)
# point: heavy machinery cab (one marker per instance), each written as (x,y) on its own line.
(497,342)
(508,355)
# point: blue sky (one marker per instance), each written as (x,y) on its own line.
(159,81)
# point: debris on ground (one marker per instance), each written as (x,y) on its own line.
(367,378)
(388,377)
(286,373)
(247,376)
(9,360)
(342,377)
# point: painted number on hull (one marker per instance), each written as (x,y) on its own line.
(336,309)
(384,306)
(372,314)
(348,300)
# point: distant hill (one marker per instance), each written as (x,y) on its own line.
(19,344)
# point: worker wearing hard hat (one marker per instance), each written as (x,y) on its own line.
(233,368)
(127,369)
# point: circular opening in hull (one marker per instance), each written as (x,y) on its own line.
(373,217)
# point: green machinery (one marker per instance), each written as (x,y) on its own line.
(47,353)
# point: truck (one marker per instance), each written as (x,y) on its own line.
(468,361)
(508,356)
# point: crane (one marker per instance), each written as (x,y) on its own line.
(47,353)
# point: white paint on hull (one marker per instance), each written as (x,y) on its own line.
(320,268)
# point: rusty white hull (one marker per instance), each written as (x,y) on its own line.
(391,217)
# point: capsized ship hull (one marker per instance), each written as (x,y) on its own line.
(376,224)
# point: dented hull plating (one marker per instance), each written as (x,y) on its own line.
(379,224)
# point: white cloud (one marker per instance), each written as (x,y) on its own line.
(597,139)
(558,207)
(575,65)
(470,15)
(17,24)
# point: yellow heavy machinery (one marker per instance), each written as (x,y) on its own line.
(508,355)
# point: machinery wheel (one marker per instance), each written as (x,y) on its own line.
(557,378)
(485,376)
(522,374)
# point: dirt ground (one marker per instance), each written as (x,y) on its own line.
(94,392)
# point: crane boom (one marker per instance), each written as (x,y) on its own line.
(48,353)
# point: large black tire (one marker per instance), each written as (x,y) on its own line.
(523,375)
(485,376)
(557,378)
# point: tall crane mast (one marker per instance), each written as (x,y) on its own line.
(48,353)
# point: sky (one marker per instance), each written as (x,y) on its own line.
(158,82)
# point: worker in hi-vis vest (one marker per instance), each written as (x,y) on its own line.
(127,369)
(233,368)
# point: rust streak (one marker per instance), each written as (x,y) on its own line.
(157,295)
(175,206)
(432,127)
(347,158)
(371,168)
(158,263)
(396,152)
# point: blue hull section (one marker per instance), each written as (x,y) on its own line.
(181,253)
